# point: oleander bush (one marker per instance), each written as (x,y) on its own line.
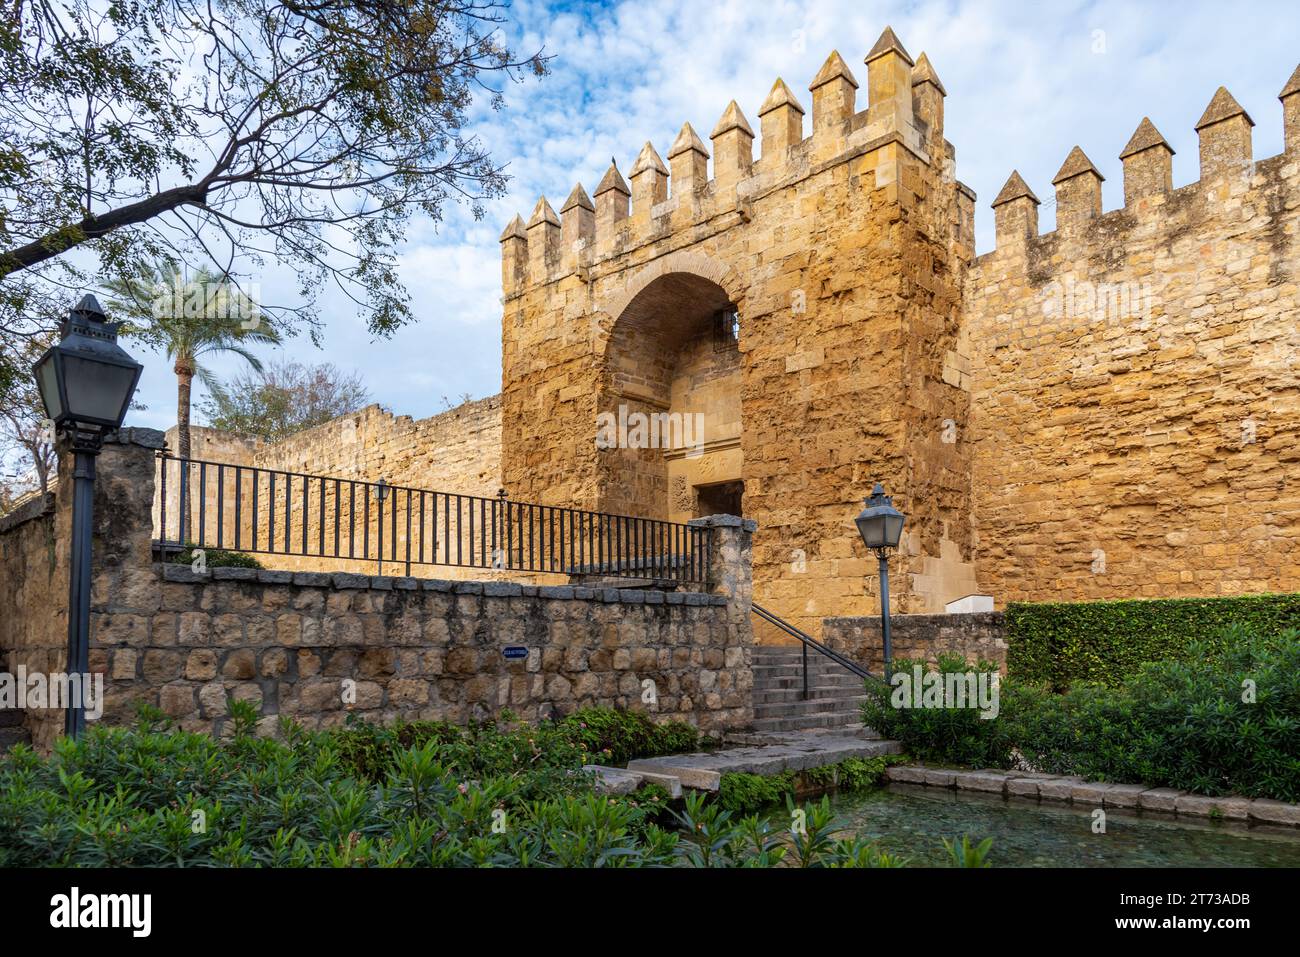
(417,796)
(1059,644)
(1222,719)
(545,753)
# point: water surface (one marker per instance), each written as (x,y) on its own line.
(910,821)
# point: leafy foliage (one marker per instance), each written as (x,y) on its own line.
(417,796)
(283,398)
(1058,644)
(739,791)
(237,132)
(215,558)
(1223,720)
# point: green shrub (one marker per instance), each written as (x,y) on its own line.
(957,735)
(740,791)
(356,797)
(1181,724)
(1059,644)
(545,755)
(215,558)
(617,737)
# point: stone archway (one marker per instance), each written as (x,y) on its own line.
(670,395)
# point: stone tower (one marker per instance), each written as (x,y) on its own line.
(792,312)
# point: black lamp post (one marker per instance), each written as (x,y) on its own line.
(381,493)
(881,527)
(86,382)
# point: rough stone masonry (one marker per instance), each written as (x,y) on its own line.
(1110,409)
(317,646)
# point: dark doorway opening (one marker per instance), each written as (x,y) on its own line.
(725,498)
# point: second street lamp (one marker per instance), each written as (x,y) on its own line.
(86,382)
(881,528)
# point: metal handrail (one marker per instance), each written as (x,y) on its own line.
(334,518)
(809,642)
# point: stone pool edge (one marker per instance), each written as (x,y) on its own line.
(1072,789)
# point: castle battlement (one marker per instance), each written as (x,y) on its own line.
(904,110)
(1224,132)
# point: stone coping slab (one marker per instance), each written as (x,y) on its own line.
(1075,790)
(492,589)
(792,751)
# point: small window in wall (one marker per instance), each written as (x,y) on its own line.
(721,499)
(726,332)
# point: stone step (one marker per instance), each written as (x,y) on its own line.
(773,695)
(816,719)
(778,682)
(796,664)
(791,753)
(782,737)
(846,707)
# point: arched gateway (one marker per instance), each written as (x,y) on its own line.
(774,321)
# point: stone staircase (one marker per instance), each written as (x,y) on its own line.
(11,720)
(834,694)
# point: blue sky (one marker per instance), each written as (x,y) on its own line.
(1025,83)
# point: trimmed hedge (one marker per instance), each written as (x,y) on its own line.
(1061,643)
(1220,722)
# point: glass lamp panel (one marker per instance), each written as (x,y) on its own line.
(98,393)
(893,530)
(47,381)
(872,529)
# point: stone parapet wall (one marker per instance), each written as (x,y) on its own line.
(977,636)
(316,647)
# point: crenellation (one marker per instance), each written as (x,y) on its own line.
(780,123)
(1015,213)
(889,86)
(733,150)
(1290,97)
(577,228)
(514,257)
(1148,164)
(927,105)
(1017,389)
(543,242)
(649,185)
(834,94)
(1078,191)
(689,158)
(612,195)
(1224,132)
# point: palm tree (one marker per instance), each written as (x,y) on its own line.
(188,320)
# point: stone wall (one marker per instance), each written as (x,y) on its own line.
(978,636)
(35,554)
(316,645)
(457,452)
(842,251)
(1136,390)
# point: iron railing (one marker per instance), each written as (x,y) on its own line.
(808,641)
(277,512)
